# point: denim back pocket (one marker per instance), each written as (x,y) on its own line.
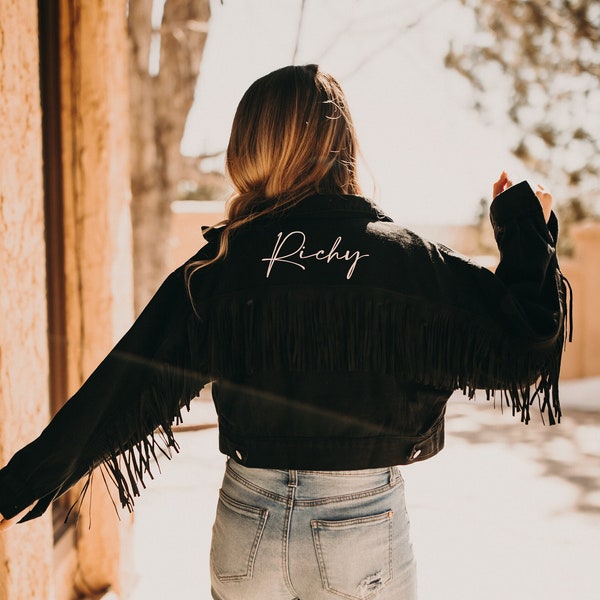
(355,555)
(237,532)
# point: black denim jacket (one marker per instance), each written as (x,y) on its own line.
(333,339)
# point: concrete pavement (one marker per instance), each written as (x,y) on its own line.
(505,512)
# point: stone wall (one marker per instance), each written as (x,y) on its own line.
(25,550)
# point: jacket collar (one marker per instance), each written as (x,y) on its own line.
(318,206)
(326,205)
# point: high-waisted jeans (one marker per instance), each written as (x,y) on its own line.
(312,535)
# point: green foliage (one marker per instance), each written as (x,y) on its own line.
(546,54)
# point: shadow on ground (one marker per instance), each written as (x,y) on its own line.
(569,450)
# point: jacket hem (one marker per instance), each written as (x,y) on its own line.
(332,454)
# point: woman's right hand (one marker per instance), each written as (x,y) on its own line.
(543,196)
(545,199)
(6,523)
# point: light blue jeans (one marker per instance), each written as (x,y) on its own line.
(312,535)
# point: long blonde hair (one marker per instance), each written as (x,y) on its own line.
(292,136)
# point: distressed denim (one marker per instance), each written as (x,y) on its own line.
(312,535)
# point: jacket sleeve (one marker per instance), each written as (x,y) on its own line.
(514,339)
(124,409)
(528,263)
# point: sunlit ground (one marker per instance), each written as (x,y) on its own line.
(506,511)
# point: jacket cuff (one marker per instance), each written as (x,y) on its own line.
(516,202)
(11,492)
(519,203)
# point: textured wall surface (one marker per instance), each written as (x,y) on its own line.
(24,399)
(98,255)
(582,357)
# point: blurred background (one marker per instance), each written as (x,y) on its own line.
(115,118)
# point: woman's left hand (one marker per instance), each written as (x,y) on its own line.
(501,185)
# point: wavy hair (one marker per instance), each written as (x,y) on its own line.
(292,136)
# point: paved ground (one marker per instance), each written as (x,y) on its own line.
(505,512)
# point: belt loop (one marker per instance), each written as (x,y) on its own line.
(292,478)
(393,475)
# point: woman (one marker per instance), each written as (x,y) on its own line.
(333,339)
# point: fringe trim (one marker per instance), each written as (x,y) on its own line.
(438,346)
(319,330)
(141,432)
(568,312)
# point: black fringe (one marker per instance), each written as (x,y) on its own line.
(437,346)
(318,330)
(139,433)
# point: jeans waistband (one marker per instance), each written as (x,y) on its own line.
(315,484)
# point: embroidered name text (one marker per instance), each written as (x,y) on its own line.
(291,249)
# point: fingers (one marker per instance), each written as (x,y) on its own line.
(501,185)
(544,196)
(545,199)
(6,523)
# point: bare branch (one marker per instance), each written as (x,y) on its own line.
(299,31)
(392,39)
(549,55)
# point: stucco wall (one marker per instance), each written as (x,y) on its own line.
(24,402)
(98,266)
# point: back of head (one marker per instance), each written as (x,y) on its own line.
(292,136)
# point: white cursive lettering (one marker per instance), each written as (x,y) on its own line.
(295,251)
